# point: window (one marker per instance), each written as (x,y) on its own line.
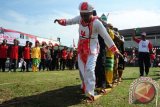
(27,37)
(153,37)
(158,37)
(22,36)
(127,39)
(1,31)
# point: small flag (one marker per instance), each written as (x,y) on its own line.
(103,17)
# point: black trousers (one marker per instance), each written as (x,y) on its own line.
(13,64)
(70,64)
(63,63)
(53,64)
(27,64)
(42,64)
(144,62)
(100,70)
(3,64)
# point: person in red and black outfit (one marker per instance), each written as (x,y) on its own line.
(26,55)
(3,54)
(64,58)
(70,61)
(14,55)
(144,48)
(43,57)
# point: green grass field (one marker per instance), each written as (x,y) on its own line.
(62,89)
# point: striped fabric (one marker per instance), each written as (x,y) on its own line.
(109,64)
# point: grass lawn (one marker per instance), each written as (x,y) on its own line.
(62,89)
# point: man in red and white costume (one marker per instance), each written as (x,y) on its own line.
(88,46)
(144,48)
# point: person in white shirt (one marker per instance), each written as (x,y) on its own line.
(88,46)
(144,48)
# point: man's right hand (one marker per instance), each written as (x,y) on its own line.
(56,20)
(60,21)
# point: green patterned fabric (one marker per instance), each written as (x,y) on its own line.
(109,63)
(35,61)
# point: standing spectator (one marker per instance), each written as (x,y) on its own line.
(14,51)
(54,58)
(30,45)
(144,47)
(64,58)
(58,59)
(75,59)
(70,61)
(3,54)
(125,58)
(43,57)
(152,57)
(48,58)
(36,56)
(26,55)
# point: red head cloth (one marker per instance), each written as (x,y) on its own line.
(85,7)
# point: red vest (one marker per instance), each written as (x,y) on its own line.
(64,54)
(70,55)
(3,51)
(14,52)
(43,53)
(26,52)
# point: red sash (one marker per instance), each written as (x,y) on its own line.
(84,44)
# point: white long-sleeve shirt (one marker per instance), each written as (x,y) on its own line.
(91,35)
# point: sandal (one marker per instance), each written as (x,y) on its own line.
(90,99)
(103,91)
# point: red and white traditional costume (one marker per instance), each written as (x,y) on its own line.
(88,46)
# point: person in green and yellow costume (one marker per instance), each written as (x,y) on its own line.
(36,56)
(109,60)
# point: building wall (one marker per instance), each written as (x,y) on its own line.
(155,40)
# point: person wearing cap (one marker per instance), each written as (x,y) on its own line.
(14,55)
(36,56)
(26,55)
(88,46)
(144,48)
(3,54)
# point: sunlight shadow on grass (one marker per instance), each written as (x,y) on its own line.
(63,97)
